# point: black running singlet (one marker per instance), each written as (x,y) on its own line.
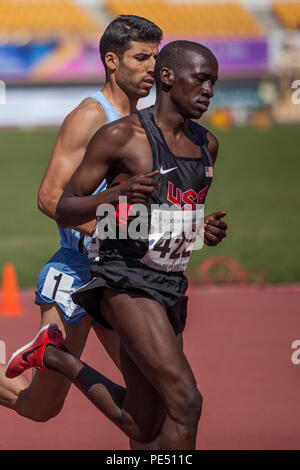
(184,181)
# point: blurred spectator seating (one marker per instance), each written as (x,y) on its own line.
(288,13)
(227,19)
(39,18)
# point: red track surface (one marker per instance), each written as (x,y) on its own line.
(239,343)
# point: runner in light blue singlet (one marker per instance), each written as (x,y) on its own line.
(69,267)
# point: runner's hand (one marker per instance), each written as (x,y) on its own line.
(214,228)
(138,189)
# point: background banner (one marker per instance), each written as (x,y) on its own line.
(77,61)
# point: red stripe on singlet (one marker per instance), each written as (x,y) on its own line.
(122,212)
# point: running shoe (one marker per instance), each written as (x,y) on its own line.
(31,355)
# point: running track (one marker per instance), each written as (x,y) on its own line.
(239,343)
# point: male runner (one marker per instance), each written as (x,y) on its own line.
(135,292)
(128,49)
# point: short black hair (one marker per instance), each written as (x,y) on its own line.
(172,56)
(125,28)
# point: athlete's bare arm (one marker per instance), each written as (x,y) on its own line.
(76,131)
(106,151)
(215,229)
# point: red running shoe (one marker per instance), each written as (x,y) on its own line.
(31,355)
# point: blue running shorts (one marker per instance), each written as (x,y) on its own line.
(65,272)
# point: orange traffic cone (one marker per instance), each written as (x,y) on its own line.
(10,300)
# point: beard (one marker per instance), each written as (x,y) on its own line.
(128,85)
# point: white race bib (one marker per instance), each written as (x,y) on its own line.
(58,286)
(172,238)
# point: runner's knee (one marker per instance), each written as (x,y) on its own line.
(185,405)
(182,398)
(38,410)
(42,415)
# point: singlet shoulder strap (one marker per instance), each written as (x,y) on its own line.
(110,111)
(201,134)
(199,131)
(147,121)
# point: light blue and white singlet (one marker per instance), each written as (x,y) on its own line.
(70,238)
(69,268)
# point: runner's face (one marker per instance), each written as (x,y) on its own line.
(193,85)
(135,71)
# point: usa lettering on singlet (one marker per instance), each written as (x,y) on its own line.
(184,183)
(70,238)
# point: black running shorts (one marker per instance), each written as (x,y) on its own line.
(129,275)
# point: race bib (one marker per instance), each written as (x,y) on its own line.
(172,237)
(58,286)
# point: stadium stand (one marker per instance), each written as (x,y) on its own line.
(44,18)
(228,19)
(288,13)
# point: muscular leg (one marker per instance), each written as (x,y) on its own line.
(110,397)
(111,342)
(52,401)
(155,445)
(44,397)
(149,341)
(11,388)
(154,349)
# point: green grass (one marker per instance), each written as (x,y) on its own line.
(256,182)
(28,238)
